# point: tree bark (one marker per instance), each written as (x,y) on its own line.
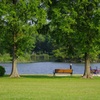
(14,72)
(87,73)
(14,1)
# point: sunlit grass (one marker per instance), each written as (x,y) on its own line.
(49,88)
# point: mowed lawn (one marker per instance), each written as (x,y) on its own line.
(35,87)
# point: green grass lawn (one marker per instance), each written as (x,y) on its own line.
(49,88)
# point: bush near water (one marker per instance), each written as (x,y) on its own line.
(27,57)
(2,71)
(36,57)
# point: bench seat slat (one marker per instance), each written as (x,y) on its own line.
(69,71)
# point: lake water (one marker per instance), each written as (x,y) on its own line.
(46,67)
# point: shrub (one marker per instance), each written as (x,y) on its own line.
(5,57)
(40,57)
(2,71)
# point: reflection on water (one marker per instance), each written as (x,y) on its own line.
(46,67)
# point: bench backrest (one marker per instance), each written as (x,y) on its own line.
(63,70)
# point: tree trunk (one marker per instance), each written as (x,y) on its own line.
(14,1)
(14,72)
(87,73)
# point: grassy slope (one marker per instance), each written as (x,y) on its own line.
(49,88)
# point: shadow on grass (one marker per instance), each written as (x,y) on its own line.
(44,76)
(47,76)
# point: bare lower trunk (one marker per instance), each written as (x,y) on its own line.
(14,72)
(87,73)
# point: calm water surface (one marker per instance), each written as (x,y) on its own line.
(46,67)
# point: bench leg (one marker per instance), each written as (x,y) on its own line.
(71,74)
(53,73)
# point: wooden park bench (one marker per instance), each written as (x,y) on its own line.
(63,71)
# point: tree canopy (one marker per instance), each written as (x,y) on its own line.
(76,27)
(20,19)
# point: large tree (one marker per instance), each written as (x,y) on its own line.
(76,26)
(88,30)
(21,20)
